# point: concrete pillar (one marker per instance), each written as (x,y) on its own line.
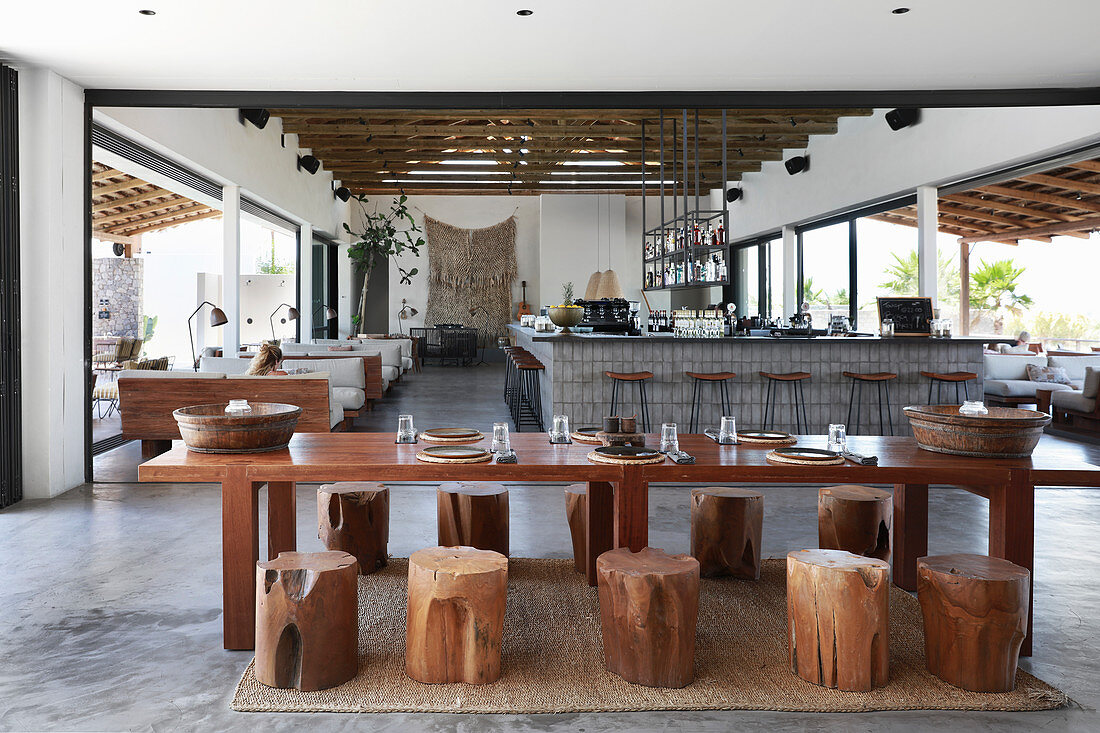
(790,272)
(231,269)
(349,298)
(305,284)
(927,229)
(963,326)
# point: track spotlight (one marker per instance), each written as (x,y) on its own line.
(733,194)
(797,164)
(343,193)
(256,116)
(308,163)
(902,117)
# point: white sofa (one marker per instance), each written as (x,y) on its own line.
(235,368)
(1083,401)
(392,363)
(1006,379)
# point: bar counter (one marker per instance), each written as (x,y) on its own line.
(574,383)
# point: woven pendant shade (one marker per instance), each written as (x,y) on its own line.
(609,286)
(593,286)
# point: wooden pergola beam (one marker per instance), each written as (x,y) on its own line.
(108,237)
(109,173)
(813,128)
(131,200)
(561,114)
(1068,184)
(209,213)
(1086,165)
(113,187)
(1006,207)
(1045,198)
(126,226)
(1083,225)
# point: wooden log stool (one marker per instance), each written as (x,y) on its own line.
(473,515)
(354,517)
(975,617)
(307,620)
(838,608)
(855,518)
(726,527)
(455,615)
(649,603)
(576,504)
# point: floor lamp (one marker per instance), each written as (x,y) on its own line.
(217,318)
(405,312)
(291,314)
(329,312)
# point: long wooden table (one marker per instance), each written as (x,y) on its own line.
(618,496)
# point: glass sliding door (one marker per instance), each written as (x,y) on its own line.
(320,288)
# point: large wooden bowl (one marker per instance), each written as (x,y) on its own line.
(1006,432)
(208,429)
(565,317)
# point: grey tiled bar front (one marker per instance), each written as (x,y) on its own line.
(574,383)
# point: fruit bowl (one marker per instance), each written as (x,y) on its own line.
(566,316)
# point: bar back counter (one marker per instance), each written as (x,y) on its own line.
(574,383)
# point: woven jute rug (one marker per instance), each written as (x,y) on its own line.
(553,658)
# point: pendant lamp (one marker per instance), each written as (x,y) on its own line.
(609,286)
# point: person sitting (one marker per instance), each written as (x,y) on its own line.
(1022,345)
(267,361)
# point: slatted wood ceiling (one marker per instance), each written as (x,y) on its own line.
(124,206)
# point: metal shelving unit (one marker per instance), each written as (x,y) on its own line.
(656,257)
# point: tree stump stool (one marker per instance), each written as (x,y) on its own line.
(307,620)
(726,528)
(354,517)
(838,607)
(975,616)
(857,519)
(473,515)
(649,603)
(455,615)
(576,503)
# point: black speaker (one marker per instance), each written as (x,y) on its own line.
(256,116)
(797,164)
(733,194)
(343,193)
(308,163)
(902,117)
(118,248)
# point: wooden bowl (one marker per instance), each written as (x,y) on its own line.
(208,429)
(1006,432)
(566,316)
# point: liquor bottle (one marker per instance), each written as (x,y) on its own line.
(721,238)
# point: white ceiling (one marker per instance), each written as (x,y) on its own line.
(475,45)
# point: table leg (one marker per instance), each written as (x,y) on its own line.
(240,552)
(599,524)
(282,535)
(1012,534)
(910,532)
(632,510)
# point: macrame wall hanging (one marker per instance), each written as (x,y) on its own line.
(471,269)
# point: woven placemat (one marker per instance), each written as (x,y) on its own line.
(429,458)
(600,458)
(774,458)
(767,441)
(589,439)
(452,441)
(552,659)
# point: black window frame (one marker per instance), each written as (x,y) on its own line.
(11,391)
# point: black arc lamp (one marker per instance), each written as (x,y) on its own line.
(217,318)
(291,315)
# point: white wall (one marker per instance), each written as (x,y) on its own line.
(866,161)
(260,294)
(52,249)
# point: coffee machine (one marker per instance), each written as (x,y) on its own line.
(609,315)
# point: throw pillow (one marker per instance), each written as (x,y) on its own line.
(340,348)
(1021,349)
(1092,383)
(1048,374)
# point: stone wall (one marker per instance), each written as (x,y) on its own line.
(118,290)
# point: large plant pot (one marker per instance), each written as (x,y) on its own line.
(1006,432)
(566,316)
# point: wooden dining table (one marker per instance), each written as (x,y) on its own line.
(618,495)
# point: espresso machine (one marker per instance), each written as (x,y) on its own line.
(609,315)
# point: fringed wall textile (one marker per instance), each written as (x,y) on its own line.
(471,269)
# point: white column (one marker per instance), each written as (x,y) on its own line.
(348,299)
(927,228)
(305,284)
(231,270)
(790,272)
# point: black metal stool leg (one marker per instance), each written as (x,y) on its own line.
(768,406)
(889,410)
(881,421)
(957,393)
(966,389)
(694,404)
(727,406)
(645,408)
(931,383)
(614,396)
(802,401)
(851,402)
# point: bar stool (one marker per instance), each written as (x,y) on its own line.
(880,380)
(718,378)
(638,378)
(938,379)
(527,396)
(798,396)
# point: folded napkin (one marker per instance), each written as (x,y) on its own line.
(713,435)
(860,458)
(509,457)
(680,457)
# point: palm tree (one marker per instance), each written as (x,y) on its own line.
(904,272)
(993,288)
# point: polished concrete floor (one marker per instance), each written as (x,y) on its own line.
(110,613)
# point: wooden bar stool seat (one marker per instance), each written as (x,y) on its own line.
(354,517)
(455,615)
(473,515)
(838,610)
(857,519)
(726,528)
(975,612)
(937,380)
(576,505)
(881,380)
(307,620)
(798,397)
(649,604)
(638,378)
(698,379)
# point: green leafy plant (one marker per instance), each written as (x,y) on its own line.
(904,272)
(993,287)
(273,266)
(386,233)
(148,327)
(567,294)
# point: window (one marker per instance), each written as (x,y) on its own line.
(825,259)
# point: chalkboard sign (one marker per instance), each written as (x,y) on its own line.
(911,316)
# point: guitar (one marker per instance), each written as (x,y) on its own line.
(524,306)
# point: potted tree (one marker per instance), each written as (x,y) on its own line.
(386,233)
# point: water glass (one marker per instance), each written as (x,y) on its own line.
(559,429)
(838,438)
(501,442)
(406,433)
(238,407)
(727,431)
(670,443)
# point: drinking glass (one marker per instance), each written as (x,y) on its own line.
(670,443)
(559,430)
(501,442)
(238,407)
(727,431)
(406,433)
(838,438)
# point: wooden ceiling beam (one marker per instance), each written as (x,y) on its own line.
(127,225)
(108,237)
(942,228)
(812,128)
(648,114)
(130,200)
(109,173)
(1068,184)
(208,214)
(1006,207)
(114,187)
(980,216)
(1086,165)
(1084,225)
(1040,197)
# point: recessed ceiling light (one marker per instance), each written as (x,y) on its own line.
(525,13)
(147,12)
(900,11)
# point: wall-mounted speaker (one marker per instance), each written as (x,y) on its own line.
(309,164)
(733,194)
(797,164)
(343,193)
(902,117)
(118,248)
(256,116)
